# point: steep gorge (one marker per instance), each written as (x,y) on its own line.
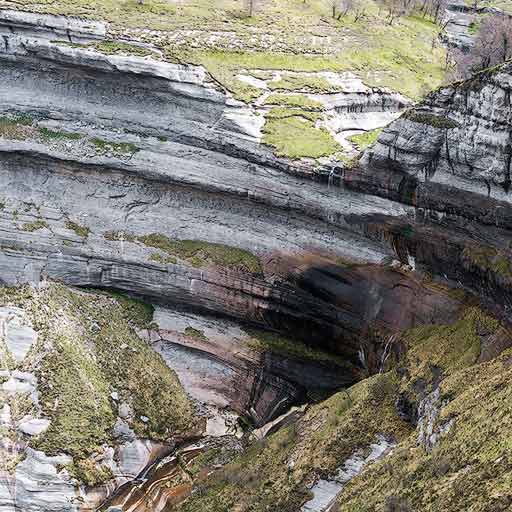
(275,282)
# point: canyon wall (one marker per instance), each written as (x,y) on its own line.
(130,173)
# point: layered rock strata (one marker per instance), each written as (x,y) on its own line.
(135,174)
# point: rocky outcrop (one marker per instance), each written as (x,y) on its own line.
(146,150)
(450,157)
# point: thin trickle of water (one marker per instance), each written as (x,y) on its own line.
(330,180)
(362,356)
(387,352)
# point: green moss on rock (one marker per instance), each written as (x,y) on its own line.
(488,259)
(119,148)
(15,127)
(80,230)
(89,472)
(276,343)
(49,135)
(430,119)
(196,334)
(35,225)
(164,259)
(199,253)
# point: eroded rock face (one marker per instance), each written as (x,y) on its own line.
(459,136)
(127,163)
(450,157)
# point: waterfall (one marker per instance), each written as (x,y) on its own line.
(387,352)
(330,179)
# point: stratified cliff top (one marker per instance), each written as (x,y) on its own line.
(319,86)
(282,34)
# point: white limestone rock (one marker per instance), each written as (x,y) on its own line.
(33,426)
(15,331)
(325,491)
(134,456)
(39,486)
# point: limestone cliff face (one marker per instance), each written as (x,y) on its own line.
(459,136)
(130,173)
(450,157)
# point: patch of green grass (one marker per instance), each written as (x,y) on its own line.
(35,225)
(82,231)
(488,259)
(128,13)
(297,137)
(110,47)
(118,236)
(308,83)
(401,55)
(199,253)
(294,100)
(363,140)
(135,311)
(116,47)
(142,378)
(16,127)
(89,472)
(473,28)
(120,148)
(48,134)
(287,112)
(164,259)
(74,394)
(196,334)
(447,347)
(469,469)
(430,119)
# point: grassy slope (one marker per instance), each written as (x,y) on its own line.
(470,469)
(475,457)
(273,473)
(87,349)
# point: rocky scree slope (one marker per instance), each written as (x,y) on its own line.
(276,282)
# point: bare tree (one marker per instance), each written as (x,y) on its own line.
(493,45)
(250,7)
(432,9)
(345,6)
(396,8)
(342,8)
(359,9)
(333,6)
